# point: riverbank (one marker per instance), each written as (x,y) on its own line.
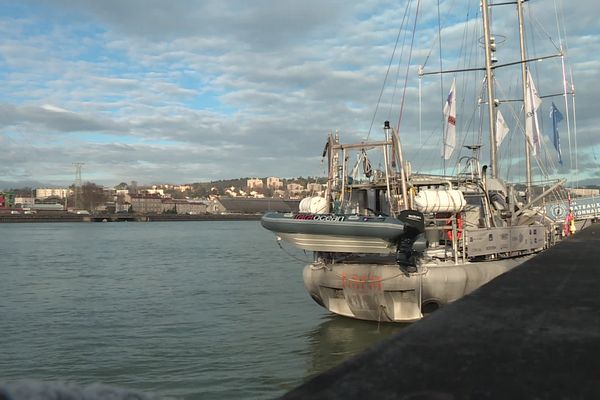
(121,217)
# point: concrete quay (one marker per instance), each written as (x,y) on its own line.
(532,333)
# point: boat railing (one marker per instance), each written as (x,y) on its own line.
(448,228)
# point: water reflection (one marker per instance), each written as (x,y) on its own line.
(338,338)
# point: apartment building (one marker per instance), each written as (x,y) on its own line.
(44,193)
(274,183)
(254,183)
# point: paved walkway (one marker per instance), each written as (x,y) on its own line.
(532,333)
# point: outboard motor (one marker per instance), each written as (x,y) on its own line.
(413,242)
(413,219)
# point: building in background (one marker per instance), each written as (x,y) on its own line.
(314,188)
(231,205)
(295,189)
(585,192)
(146,203)
(24,202)
(254,183)
(184,206)
(44,193)
(155,190)
(274,183)
(182,188)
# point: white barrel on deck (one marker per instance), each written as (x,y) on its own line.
(440,200)
(313,205)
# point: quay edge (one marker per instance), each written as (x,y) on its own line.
(533,332)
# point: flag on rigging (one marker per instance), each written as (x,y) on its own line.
(532,103)
(450,117)
(501,128)
(556,117)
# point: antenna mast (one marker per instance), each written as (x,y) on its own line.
(525,94)
(78,199)
(490,46)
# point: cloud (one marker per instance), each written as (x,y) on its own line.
(261,23)
(192,90)
(52,118)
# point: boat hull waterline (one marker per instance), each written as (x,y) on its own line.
(383,292)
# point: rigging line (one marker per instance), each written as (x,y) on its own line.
(468,123)
(494,67)
(519,100)
(507,3)
(510,152)
(518,125)
(557,23)
(574,121)
(576,147)
(466,126)
(450,9)
(564,80)
(537,78)
(424,160)
(572,91)
(544,32)
(549,160)
(420,111)
(463,89)
(475,59)
(543,154)
(566,46)
(412,42)
(397,77)
(278,240)
(473,52)
(442,86)
(388,69)
(513,113)
(463,54)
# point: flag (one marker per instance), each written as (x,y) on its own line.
(556,117)
(501,128)
(450,118)
(532,103)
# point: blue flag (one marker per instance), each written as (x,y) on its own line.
(556,117)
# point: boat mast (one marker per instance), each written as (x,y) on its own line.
(524,80)
(394,136)
(490,46)
(330,168)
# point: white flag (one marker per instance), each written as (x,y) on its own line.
(532,103)
(501,128)
(450,118)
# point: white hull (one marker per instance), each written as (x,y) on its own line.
(383,292)
(344,244)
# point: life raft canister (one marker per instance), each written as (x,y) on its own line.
(459,226)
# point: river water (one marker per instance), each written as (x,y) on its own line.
(190,310)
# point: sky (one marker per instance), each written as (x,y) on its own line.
(189,91)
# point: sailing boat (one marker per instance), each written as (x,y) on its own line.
(392,245)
